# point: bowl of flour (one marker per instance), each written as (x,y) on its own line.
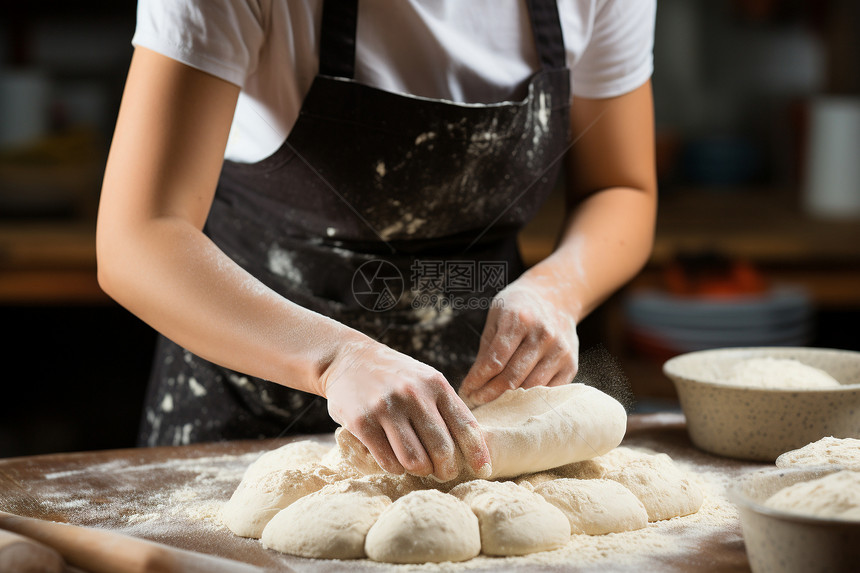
(800,519)
(756,403)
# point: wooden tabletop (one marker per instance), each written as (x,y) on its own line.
(172,495)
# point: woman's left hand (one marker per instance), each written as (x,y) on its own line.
(529,339)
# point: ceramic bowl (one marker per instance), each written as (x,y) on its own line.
(760,424)
(786,542)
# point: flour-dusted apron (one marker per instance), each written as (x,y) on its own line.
(395,215)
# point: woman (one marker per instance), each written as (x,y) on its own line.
(313,200)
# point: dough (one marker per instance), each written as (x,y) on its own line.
(424,526)
(513,520)
(844,452)
(595,506)
(292,455)
(600,466)
(355,453)
(779,373)
(331,523)
(540,428)
(835,496)
(531,481)
(530,430)
(660,485)
(264,491)
(394,486)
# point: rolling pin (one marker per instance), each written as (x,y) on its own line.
(100,551)
(22,555)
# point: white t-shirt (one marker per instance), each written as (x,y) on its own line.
(470,51)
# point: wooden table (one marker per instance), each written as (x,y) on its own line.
(172,495)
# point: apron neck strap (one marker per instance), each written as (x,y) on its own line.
(546,27)
(337,38)
(339,24)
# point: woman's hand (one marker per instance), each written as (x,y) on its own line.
(404,411)
(529,340)
(530,335)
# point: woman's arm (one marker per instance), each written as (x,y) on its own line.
(154,259)
(530,337)
(160,179)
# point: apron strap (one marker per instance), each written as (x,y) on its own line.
(546,26)
(339,24)
(337,38)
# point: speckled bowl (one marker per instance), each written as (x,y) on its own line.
(760,424)
(786,542)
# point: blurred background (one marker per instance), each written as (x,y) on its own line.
(758,241)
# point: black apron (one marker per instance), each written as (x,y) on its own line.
(395,215)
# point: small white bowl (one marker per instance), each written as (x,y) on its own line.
(758,423)
(784,542)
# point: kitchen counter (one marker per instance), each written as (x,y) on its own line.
(172,495)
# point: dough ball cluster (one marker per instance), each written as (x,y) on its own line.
(304,499)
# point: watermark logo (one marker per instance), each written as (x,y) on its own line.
(377,285)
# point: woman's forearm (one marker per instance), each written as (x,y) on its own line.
(174,278)
(603,244)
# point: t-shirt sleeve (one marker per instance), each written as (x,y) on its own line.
(619,56)
(220,37)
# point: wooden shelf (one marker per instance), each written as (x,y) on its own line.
(765,227)
(49,263)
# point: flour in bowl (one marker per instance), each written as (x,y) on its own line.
(843,452)
(835,496)
(779,374)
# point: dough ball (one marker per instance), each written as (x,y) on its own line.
(513,520)
(392,485)
(844,452)
(331,523)
(601,465)
(424,526)
(778,373)
(531,481)
(595,506)
(834,496)
(586,469)
(260,495)
(355,453)
(662,487)
(288,456)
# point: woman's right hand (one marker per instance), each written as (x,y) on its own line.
(403,410)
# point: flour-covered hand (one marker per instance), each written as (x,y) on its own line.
(404,411)
(528,340)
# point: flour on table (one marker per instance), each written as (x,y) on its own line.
(778,373)
(424,526)
(835,496)
(844,452)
